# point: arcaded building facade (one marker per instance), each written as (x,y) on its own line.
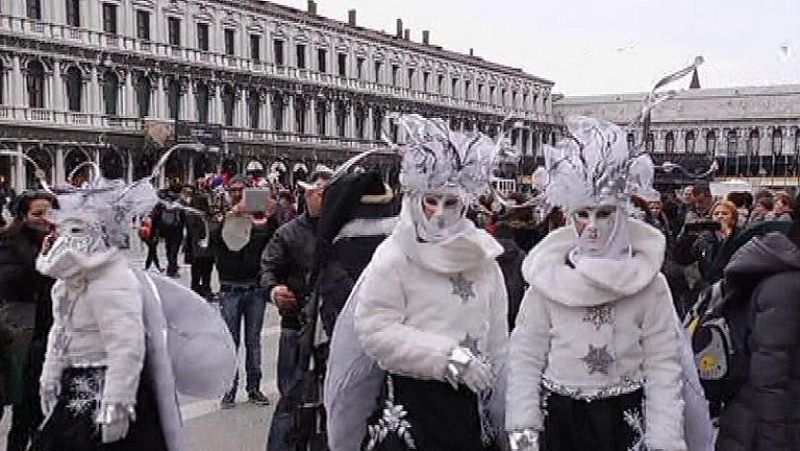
(119,81)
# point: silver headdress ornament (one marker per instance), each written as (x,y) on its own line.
(104,207)
(594,164)
(435,158)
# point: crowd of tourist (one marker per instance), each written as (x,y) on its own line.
(304,251)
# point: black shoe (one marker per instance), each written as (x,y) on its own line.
(229,400)
(257,398)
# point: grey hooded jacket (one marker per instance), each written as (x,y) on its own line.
(764,415)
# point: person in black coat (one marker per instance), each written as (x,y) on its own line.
(26,309)
(764,279)
(199,249)
(510,262)
(286,266)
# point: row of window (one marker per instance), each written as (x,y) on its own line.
(35,84)
(753,143)
(429,83)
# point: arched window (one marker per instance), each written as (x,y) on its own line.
(732,143)
(110,92)
(669,142)
(254,108)
(777,142)
(143,90)
(631,141)
(341,116)
(753,142)
(690,141)
(277,113)
(35,85)
(202,98)
(74,89)
(228,102)
(377,124)
(650,144)
(321,117)
(711,142)
(359,122)
(174,99)
(300,115)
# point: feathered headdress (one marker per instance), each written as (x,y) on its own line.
(595,164)
(107,206)
(436,158)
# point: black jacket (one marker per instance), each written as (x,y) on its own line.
(24,292)
(195,233)
(510,262)
(764,415)
(241,267)
(288,260)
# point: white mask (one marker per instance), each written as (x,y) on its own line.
(77,242)
(600,232)
(438,216)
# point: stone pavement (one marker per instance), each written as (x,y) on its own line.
(207,427)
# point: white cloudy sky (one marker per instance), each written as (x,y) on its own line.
(604,46)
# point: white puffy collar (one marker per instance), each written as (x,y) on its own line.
(593,281)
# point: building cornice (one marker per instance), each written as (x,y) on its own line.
(298,16)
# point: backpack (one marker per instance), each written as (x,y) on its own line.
(170,217)
(146,229)
(718,331)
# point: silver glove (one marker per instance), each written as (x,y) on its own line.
(463,366)
(524,440)
(114,421)
(48,397)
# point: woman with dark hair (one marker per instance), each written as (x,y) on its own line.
(25,308)
(784,207)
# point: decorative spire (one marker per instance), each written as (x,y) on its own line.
(695,84)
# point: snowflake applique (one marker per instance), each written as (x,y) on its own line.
(86,392)
(599,316)
(598,359)
(462,287)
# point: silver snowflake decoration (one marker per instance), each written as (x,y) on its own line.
(462,287)
(599,316)
(633,418)
(85,392)
(598,359)
(392,421)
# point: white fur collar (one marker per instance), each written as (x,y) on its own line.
(593,281)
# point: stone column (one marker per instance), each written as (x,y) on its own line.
(191,102)
(350,124)
(268,111)
(95,96)
(217,102)
(369,126)
(58,88)
(159,105)
(129,96)
(61,175)
(129,167)
(21,173)
(290,115)
(311,114)
(17,86)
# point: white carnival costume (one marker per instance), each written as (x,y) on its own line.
(597,356)
(123,343)
(429,310)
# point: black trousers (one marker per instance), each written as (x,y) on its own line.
(201,276)
(442,419)
(173,244)
(71,426)
(152,253)
(600,425)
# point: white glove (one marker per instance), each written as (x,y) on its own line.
(114,420)
(465,367)
(524,440)
(48,397)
